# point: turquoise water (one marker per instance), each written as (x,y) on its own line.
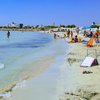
(17,52)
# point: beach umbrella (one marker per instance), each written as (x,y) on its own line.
(85,27)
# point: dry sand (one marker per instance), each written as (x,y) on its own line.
(82,86)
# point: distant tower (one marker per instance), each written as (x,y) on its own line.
(53,23)
(93,23)
(21,25)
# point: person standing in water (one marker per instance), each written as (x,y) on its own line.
(8,35)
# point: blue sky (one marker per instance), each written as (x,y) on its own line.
(45,12)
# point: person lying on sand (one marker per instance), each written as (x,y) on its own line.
(75,40)
(72,41)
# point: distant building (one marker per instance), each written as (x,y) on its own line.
(20,25)
(95,25)
(27,26)
(13,25)
(53,24)
(16,25)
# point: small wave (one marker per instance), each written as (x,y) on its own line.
(20,85)
(5,95)
(2,66)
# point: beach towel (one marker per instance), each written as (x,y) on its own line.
(84,42)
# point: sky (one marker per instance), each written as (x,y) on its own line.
(46,12)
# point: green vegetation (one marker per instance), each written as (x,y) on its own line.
(71,26)
(48,27)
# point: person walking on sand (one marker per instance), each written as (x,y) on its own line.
(68,33)
(8,35)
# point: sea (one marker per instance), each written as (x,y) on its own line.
(27,54)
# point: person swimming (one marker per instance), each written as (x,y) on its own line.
(8,34)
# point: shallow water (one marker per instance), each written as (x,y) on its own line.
(31,54)
(48,83)
(19,50)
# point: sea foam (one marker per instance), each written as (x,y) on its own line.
(5,95)
(2,66)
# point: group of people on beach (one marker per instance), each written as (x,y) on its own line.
(93,37)
(75,38)
(68,34)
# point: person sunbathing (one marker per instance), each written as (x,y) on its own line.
(72,41)
(75,41)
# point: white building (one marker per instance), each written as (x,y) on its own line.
(13,25)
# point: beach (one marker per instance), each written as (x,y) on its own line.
(61,77)
(72,83)
(36,71)
(45,85)
(81,86)
(50,50)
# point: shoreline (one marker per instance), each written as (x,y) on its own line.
(22,29)
(6,91)
(47,88)
(9,90)
(48,81)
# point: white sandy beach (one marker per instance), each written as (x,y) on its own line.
(81,86)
